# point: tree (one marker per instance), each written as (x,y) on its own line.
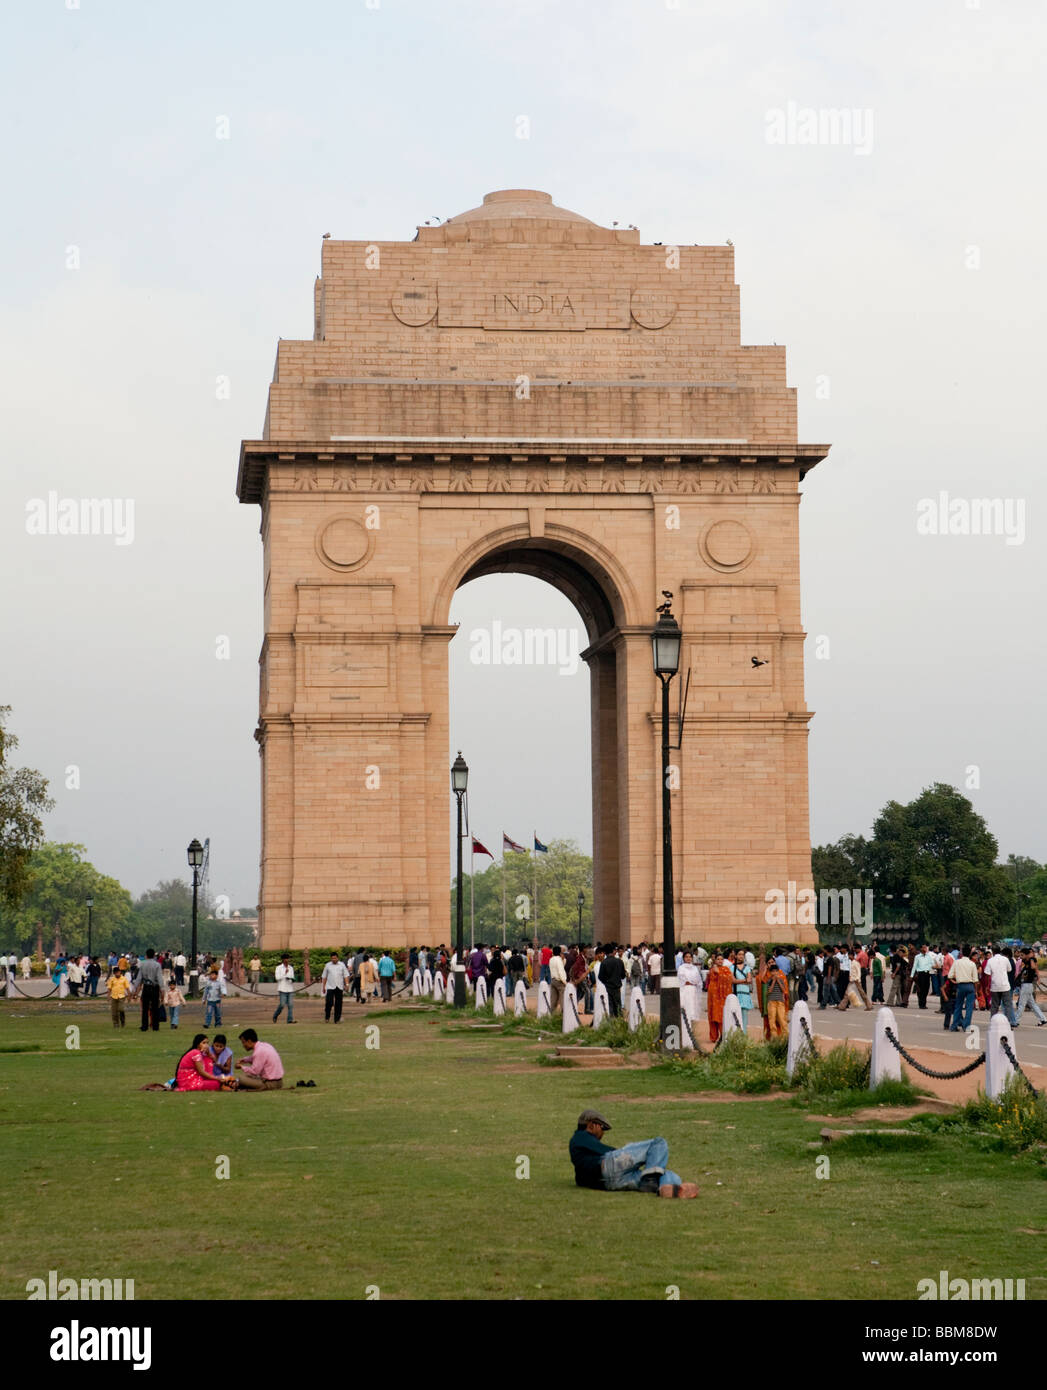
(163,918)
(56,902)
(923,848)
(23,799)
(558,877)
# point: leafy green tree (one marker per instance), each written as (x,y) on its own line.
(923,848)
(23,799)
(56,903)
(554,879)
(163,918)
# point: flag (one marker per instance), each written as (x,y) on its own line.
(511,844)
(479,849)
(539,848)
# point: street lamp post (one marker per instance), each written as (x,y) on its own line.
(459,783)
(956,913)
(581,904)
(90,923)
(665,644)
(195,854)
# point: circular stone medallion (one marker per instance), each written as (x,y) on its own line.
(726,545)
(343,543)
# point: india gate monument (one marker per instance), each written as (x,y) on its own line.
(520,390)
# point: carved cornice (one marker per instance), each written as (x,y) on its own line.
(519,467)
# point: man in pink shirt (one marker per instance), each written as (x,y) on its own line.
(261,1069)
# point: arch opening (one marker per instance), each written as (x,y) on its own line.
(548,771)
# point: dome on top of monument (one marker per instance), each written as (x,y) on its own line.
(516,203)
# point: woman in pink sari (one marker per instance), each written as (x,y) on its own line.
(195,1069)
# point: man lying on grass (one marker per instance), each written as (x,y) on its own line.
(638,1167)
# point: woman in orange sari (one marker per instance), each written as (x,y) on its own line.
(719,987)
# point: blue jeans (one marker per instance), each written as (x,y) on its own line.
(623,1168)
(94,986)
(173,1013)
(213,1013)
(285,1000)
(963,1008)
(543,974)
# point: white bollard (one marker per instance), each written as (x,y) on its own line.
(886,1061)
(10,990)
(438,987)
(499,998)
(601,1004)
(570,1009)
(637,1011)
(481,992)
(545,999)
(63,987)
(427,982)
(998,1066)
(732,1016)
(520,999)
(799,1047)
(416,983)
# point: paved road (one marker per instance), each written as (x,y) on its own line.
(916,1028)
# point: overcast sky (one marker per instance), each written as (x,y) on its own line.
(145,258)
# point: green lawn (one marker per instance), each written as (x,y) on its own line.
(399,1170)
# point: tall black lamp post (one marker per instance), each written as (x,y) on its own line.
(665,642)
(581,904)
(195,854)
(956,913)
(90,923)
(459,783)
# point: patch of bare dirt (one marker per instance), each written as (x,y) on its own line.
(690,1097)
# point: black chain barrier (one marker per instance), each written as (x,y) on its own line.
(51,991)
(810,1039)
(1008,1053)
(574,1005)
(938,1075)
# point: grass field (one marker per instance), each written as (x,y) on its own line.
(399,1170)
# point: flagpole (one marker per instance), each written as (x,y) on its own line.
(534,879)
(503,885)
(472,898)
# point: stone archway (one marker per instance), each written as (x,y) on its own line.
(523,390)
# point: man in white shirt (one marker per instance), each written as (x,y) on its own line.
(922,970)
(179,965)
(557,978)
(964,973)
(285,988)
(27,966)
(1001,986)
(333,981)
(654,970)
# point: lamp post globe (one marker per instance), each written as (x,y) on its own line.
(459,785)
(195,856)
(666,641)
(581,904)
